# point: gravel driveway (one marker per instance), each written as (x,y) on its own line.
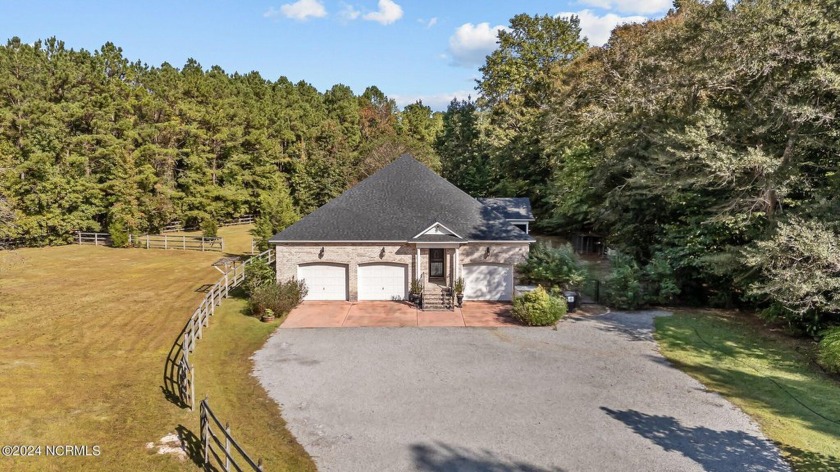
(594,395)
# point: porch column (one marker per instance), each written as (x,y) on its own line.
(417,265)
(456,270)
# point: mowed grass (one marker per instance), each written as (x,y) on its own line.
(767,375)
(84,335)
(254,418)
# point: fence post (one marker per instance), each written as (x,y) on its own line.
(205,425)
(202,244)
(147,241)
(96,239)
(165,242)
(227,446)
(227,286)
(80,238)
(184,243)
(192,388)
(223,244)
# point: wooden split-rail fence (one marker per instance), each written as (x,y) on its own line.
(219,447)
(154,241)
(177,225)
(216,440)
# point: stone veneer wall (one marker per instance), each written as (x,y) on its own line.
(289,256)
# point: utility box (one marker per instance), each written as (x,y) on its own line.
(572,300)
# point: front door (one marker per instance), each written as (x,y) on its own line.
(436,265)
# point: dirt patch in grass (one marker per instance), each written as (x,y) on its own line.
(223,372)
(768,375)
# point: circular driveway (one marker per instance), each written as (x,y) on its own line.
(592,395)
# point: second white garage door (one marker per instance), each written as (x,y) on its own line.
(324,281)
(488,282)
(382,281)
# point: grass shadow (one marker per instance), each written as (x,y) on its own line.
(191,444)
(172,371)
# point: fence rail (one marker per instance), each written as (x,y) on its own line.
(154,241)
(186,243)
(216,442)
(178,225)
(14,243)
(97,239)
(201,317)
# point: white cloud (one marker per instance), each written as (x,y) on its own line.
(631,6)
(388,13)
(437,102)
(301,10)
(348,12)
(598,28)
(472,43)
(428,23)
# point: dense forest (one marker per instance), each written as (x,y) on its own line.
(703,146)
(91,140)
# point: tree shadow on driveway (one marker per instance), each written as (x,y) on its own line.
(440,457)
(716,451)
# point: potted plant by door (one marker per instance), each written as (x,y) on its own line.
(459,290)
(414,291)
(268,315)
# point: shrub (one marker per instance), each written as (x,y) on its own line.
(800,272)
(209,228)
(119,233)
(538,308)
(829,354)
(623,287)
(552,266)
(258,272)
(660,282)
(280,297)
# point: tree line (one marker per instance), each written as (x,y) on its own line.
(703,146)
(91,141)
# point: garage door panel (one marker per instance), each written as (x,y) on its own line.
(324,281)
(488,282)
(382,281)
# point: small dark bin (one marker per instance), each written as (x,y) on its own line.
(571,301)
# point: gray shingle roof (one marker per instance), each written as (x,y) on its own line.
(397,203)
(510,208)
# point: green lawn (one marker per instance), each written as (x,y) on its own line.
(84,334)
(766,374)
(255,419)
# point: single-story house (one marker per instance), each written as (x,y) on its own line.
(405,222)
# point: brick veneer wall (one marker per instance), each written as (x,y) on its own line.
(289,256)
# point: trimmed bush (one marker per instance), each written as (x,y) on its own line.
(119,233)
(209,228)
(280,297)
(623,287)
(550,266)
(829,355)
(258,272)
(538,308)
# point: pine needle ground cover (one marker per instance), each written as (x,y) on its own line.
(84,333)
(768,375)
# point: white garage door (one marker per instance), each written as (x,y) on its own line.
(382,281)
(488,282)
(324,281)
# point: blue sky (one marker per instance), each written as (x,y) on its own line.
(411,49)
